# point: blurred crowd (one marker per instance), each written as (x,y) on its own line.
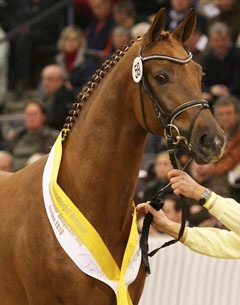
(52,48)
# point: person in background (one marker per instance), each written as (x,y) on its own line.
(221,64)
(78,66)
(162,166)
(227,113)
(33,137)
(99,30)
(57,95)
(125,13)
(173,207)
(228,13)
(121,36)
(215,242)
(6,161)
(178,10)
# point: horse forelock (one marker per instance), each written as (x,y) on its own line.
(164,35)
(90,87)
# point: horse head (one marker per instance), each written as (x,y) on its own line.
(170,90)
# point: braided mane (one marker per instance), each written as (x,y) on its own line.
(90,86)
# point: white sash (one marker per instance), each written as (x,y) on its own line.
(73,232)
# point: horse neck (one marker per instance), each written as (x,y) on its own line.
(102,158)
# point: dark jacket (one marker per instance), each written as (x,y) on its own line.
(224,71)
(60,104)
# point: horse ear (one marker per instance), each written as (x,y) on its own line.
(185,29)
(156,28)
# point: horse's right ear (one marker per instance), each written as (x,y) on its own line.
(156,28)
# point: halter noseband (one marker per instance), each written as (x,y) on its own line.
(160,108)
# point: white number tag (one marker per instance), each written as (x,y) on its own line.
(137,69)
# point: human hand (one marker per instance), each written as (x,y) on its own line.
(183,184)
(160,221)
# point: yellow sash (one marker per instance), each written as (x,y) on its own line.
(70,219)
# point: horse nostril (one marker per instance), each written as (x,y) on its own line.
(211,144)
(204,142)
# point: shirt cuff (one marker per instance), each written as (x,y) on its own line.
(210,201)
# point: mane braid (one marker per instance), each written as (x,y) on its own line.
(89,87)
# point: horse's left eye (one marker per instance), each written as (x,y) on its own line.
(162,78)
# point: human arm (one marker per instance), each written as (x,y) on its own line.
(207,241)
(226,210)
(213,242)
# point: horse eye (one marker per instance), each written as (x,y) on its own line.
(162,78)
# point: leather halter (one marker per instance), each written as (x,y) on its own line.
(167,119)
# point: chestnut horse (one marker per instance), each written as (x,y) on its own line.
(152,85)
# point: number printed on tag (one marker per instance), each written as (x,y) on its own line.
(137,69)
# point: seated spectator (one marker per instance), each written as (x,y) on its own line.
(121,36)
(57,95)
(6,161)
(99,31)
(72,57)
(226,112)
(162,166)
(229,13)
(221,64)
(125,14)
(33,137)
(178,10)
(173,207)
